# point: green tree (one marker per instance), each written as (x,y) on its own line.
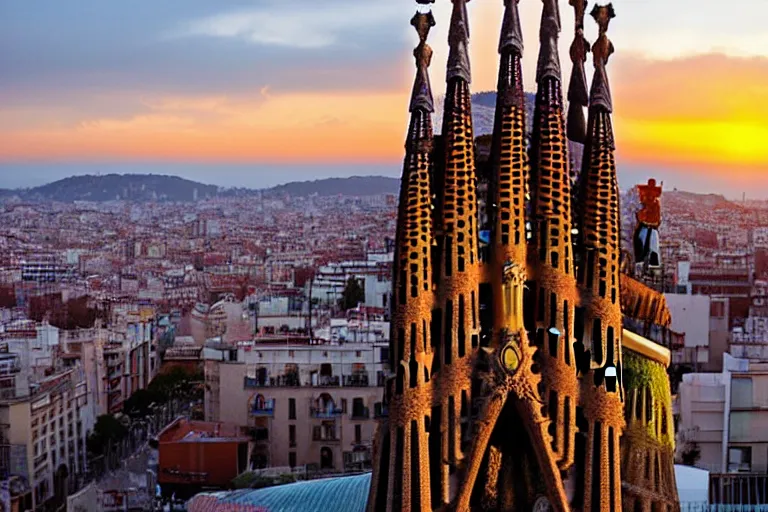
(107,428)
(138,403)
(352,295)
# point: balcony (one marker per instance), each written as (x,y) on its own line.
(327,381)
(356,381)
(289,380)
(265,409)
(254,383)
(325,413)
(10,366)
(360,413)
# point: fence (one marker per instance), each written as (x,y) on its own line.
(706,507)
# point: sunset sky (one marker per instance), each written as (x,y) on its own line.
(254,93)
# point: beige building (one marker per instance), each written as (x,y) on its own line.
(306,404)
(726,415)
(43,434)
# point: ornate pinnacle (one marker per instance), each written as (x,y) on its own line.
(458,40)
(579,8)
(578,97)
(421,97)
(600,94)
(511,33)
(549,60)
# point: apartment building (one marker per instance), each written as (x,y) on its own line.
(305,405)
(43,434)
(726,415)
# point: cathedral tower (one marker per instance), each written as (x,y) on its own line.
(600,332)
(531,417)
(402,437)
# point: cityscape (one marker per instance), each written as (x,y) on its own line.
(513,324)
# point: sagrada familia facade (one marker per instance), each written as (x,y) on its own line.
(516,383)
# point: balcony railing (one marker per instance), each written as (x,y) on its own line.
(289,380)
(362,413)
(316,412)
(13,394)
(356,381)
(254,382)
(326,381)
(267,409)
(10,366)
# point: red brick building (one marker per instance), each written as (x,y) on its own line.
(196,455)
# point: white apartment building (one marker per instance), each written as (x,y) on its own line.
(726,415)
(306,404)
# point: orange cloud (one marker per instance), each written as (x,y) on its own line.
(709,111)
(293,127)
(706,112)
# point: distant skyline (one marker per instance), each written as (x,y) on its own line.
(257,92)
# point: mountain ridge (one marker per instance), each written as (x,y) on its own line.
(161,187)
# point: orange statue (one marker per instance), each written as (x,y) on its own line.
(650,195)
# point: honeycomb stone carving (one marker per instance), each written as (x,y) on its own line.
(507,389)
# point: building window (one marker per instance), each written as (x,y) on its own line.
(291,353)
(384,354)
(292,459)
(740,459)
(358,353)
(358,434)
(343,405)
(292,436)
(291,408)
(741,393)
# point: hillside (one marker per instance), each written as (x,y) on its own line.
(353,186)
(132,187)
(484,112)
(153,187)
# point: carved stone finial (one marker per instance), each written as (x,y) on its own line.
(511,33)
(549,59)
(421,97)
(579,8)
(578,95)
(423,23)
(600,94)
(458,40)
(603,14)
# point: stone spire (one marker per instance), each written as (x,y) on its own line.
(600,94)
(600,334)
(412,302)
(549,30)
(578,97)
(550,310)
(511,33)
(421,97)
(458,41)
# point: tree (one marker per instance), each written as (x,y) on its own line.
(352,295)
(107,428)
(691,453)
(138,403)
